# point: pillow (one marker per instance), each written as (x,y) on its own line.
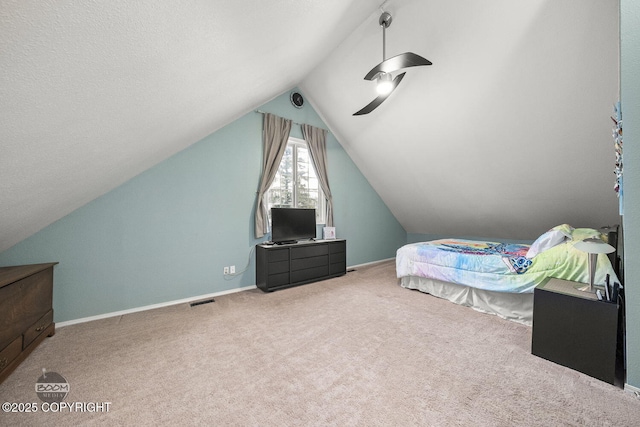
(551,238)
(585,233)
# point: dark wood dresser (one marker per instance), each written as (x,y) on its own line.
(26,312)
(283,266)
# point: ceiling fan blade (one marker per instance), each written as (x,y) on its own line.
(404,60)
(376,102)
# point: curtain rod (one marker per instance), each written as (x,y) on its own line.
(295,123)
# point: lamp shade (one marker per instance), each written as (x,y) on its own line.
(594,246)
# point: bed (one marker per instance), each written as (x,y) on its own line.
(498,278)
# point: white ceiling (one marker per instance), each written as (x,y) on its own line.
(507,134)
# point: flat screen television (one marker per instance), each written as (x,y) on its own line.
(289,225)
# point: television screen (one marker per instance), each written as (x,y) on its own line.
(292,224)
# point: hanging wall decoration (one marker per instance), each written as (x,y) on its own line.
(617,143)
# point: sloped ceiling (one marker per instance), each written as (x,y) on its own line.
(94,92)
(506,135)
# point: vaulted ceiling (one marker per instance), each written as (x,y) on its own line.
(506,135)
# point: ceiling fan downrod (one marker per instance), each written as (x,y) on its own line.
(384,84)
(384,21)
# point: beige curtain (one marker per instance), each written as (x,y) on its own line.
(316,139)
(275,134)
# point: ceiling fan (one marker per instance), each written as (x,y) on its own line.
(382,72)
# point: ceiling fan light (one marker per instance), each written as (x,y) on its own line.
(385,84)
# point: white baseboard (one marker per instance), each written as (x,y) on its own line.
(151,307)
(369,263)
(632,389)
(182,301)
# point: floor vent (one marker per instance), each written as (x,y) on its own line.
(206,301)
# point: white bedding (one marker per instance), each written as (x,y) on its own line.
(517,307)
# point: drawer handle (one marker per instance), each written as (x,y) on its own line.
(39,328)
(3,363)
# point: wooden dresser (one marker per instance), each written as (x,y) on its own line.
(26,312)
(283,266)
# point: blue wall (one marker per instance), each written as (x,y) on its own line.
(630,97)
(167,233)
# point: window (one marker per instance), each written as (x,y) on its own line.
(296,184)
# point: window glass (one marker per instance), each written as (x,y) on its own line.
(296,184)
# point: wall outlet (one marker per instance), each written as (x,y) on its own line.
(226,270)
(232,269)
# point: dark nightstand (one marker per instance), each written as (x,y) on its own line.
(574,329)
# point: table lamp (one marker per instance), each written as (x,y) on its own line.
(593,247)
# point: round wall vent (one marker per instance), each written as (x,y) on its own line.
(296,99)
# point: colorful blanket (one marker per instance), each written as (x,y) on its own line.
(513,255)
(497,266)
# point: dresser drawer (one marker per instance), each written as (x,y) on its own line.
(275,280)
(279,267)
(23,302)
(310,274)
(304,263)
(278,255)
(338,267)
(337,247)
(10,352)
(309,251)
(37,328)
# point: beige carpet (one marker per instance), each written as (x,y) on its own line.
(353,351)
